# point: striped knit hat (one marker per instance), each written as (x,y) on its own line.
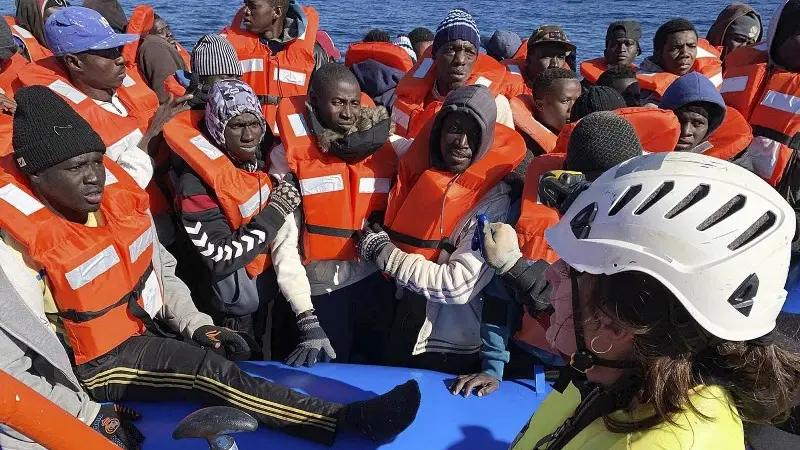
(214,55)
(457,25)
(403,42)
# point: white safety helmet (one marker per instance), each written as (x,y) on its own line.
(717,236)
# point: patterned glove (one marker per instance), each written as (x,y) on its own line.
(372,240)
(114,423)
(218,337)
(502,246)
(285,197)
(314,344)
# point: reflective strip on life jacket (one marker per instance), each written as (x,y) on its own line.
(102,278)
(338,197)
(240,194)
(743,85)
(411,111)
(284,74)
(708,62)
(35,50)
(427,204)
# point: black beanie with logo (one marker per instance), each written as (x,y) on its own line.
(47,131)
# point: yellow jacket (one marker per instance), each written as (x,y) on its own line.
(693,432)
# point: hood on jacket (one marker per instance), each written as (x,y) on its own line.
(367,135)
(476,101)
(732,12)
(784,17)
(691,88)
(294,25)
(378,81)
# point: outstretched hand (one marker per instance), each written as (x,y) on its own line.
(482,383)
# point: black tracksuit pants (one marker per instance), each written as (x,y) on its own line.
(152,368)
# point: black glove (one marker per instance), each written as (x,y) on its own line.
(221,338)
(314,344)
(528,281)
(285,197)
(114,423)
(371,241)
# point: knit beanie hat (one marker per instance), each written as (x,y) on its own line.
(403,42)
(599,142)
(47,131)
(7,45)
(596,98)
(457,25)
(214,55)
(228,99)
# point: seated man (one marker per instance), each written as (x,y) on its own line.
(700,110)
(677,51)
(736,26)
(341,152)
(516,302)
(421,39)
(623,80)
(378,67)
(596,99)
(548,48)
(89,72)
(541,116)
(85,231)
(452,172)
(622,48)
(160,56)
(222,189)
(454,62)
(213,58)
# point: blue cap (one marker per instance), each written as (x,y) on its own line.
(76,29)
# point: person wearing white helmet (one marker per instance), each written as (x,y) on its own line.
(666,300)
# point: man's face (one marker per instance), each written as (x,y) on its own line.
(161,28)
(243,136)
(694,128)
(259,15)
(621,52)
(420,48)
(338,106)
(547,55)
(732,41)
(629,89)
(789,53)
(555,107)
(455,61)
(459,141)
(679,52)
(100,69)
(73,188)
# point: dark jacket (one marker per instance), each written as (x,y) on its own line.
(158,60)
(378,80)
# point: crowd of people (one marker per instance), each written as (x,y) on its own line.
(166,212)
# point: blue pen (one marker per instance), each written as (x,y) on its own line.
(478,238)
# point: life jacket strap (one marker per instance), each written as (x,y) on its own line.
(792,142)
(439,244)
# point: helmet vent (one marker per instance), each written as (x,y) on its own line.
(699,193)
(662,191)
(626,198)
(761,225)
(581,224)
(742,297)
(728,209)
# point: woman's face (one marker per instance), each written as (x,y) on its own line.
(600,336)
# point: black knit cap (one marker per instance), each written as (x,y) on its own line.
(599,142)
(596,98)
(47,131)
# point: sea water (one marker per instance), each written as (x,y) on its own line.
(348,21)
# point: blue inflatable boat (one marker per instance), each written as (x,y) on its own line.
(444,421)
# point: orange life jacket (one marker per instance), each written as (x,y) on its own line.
(522,51)
(534,220)
(8,85)
(515,80)
(141,22)
(413,110)
(593,68)
(139,100)
(745,75)
(706,63)
(338,197)
(427,204)
(36,50)
(385,53)
(272,77)
(523,110)
(657,129)
(731,138)
(102,279)
(240,194)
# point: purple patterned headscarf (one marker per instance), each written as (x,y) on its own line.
(226,100)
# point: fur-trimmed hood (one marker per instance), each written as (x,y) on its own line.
(370,116)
